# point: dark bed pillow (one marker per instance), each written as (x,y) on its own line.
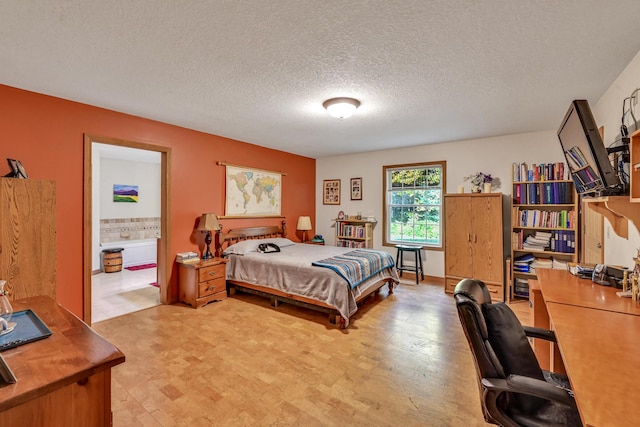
(509,341)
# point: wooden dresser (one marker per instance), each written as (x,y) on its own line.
(28,237)
(203,282)
(64,379)
(474,241)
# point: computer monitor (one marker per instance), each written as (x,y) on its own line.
(586,155)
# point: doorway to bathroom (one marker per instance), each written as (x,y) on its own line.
(126,227)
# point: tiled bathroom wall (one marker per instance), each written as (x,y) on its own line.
(122,229)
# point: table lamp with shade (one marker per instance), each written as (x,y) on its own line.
(304,224)
(208,222)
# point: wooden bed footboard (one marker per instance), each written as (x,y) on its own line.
(276,296)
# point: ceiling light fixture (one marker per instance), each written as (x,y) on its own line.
(341,108)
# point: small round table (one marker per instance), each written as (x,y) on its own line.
(417,268)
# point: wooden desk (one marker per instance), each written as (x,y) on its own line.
(562,287)
(599,349)
(597,334)
(63,380)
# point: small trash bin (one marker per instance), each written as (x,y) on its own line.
(112,260)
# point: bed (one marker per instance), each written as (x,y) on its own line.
(289,276)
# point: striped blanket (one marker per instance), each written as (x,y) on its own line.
(357,266)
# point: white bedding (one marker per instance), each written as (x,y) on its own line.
(290,271)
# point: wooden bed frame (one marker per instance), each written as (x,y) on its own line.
(276,296)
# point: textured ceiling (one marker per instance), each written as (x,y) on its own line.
(258,71)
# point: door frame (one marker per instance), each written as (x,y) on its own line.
(164,243)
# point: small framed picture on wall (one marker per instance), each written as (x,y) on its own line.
(331,192)
(356,188)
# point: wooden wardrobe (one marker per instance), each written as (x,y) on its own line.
(28,237)
(474,241)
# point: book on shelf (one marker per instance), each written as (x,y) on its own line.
(539,172)
(563,241)
(543,193)
(348,230)
(350,244)
(541,218)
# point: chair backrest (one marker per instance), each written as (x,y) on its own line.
(500,348)
(469,295)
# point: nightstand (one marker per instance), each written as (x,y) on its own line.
(202,282)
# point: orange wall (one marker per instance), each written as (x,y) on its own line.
(46,135)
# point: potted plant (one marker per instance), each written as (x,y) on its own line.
(478,180)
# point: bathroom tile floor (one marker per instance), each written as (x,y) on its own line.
(123,292)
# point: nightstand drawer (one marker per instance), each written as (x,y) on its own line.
(211,273)
(211,287)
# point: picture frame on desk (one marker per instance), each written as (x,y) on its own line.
(356,188)
(331,192)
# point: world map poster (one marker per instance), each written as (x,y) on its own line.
(252,192)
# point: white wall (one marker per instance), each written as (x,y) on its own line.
(490,155)
(109,172)
(145,175)
(608,112)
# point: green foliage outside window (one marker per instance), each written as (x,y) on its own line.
(414,205)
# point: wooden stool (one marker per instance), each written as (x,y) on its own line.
(418,265)
(112,260)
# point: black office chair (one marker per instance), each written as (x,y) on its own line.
(514,390)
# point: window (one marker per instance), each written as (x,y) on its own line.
(413,204)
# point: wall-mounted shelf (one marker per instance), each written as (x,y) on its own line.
(618,210)
(634,168)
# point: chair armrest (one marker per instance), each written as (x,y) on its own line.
(532,387)
(544,334)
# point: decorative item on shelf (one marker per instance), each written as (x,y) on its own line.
(208,222)
(17,170)
(6,311)
(317,239)
(480,180)
(461,189)
(341,215)
(304,224)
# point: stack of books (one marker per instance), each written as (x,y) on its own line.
(521,288)
(522,264)
(187,257)
(542,263)
(538,242)
(560,264)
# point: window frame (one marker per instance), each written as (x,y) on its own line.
(386,227)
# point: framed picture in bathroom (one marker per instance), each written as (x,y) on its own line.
(125,193)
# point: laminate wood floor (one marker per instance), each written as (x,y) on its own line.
(403,361)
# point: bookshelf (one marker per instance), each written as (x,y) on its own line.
(354,233)
(544,223)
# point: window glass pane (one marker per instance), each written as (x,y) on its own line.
(396,197)
(414,205)
(421,177)
(420,197)
(396,179)
(433,197)
(433,176)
